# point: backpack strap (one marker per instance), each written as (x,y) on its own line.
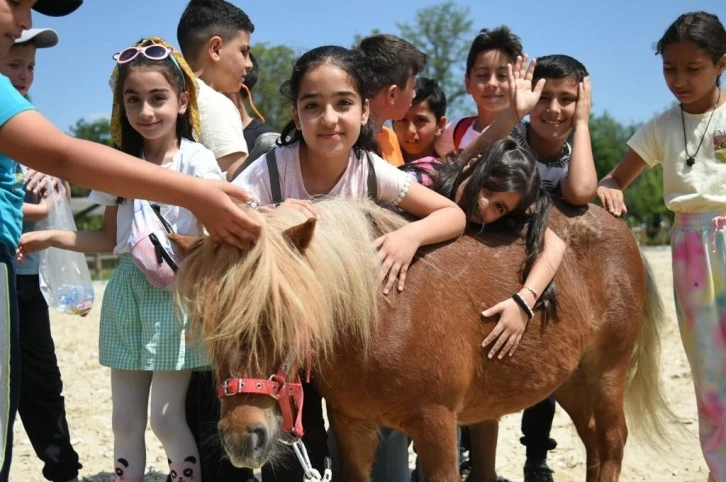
(372,181)
(461,127)
(271,159)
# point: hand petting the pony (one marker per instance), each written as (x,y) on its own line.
(396,251)
(509,330)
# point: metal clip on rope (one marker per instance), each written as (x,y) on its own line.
(311,474)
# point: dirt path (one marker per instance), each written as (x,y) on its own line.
(88,398)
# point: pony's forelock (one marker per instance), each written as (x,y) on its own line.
(268,302)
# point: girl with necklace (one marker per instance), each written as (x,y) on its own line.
(688,140)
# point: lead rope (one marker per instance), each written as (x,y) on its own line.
(311,474)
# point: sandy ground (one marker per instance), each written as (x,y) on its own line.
(88,399)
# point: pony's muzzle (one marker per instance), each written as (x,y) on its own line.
(248,449)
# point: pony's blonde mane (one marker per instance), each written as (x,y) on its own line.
(260,305)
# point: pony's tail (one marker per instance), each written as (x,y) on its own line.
(645,404)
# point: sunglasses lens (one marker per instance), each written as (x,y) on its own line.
(155,52)
(127,55)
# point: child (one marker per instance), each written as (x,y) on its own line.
(567,171)
(214,37)
(392,64)
(142,339)
(326,150)
(27,137)
(524,93)
(41,404)
(486,82)
(688,140)
(424,121)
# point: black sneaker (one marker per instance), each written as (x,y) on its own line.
(538,471)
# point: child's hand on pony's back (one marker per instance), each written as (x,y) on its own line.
(509,329)
(396,251)
(611,197)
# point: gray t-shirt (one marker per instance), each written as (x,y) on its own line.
(552,171)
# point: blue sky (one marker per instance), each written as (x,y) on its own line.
(613,38)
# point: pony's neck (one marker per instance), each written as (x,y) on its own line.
(320,173)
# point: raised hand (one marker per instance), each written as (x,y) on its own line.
(584,103)
(522,95)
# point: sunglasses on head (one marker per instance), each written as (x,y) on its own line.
(151,52)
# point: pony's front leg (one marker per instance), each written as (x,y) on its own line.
(357,440)
(434,435)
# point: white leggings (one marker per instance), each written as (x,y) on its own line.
(130,392)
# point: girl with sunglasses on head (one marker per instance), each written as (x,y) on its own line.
(143,337)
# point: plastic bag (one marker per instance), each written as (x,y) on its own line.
(64,277)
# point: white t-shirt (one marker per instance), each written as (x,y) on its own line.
(192,159)
(687,189)
(445,142)
(221,122)
(392,183)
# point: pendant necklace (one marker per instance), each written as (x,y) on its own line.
(691,159)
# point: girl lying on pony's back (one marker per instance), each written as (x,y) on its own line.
(501,189)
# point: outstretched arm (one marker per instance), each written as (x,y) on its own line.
(513,318)
(101,240)
(33,141)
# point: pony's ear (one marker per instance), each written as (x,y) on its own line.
(301,235)
(185,244)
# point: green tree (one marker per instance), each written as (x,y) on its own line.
(444,33)
(93,130)
(275,66)
(358,37)
(98,130)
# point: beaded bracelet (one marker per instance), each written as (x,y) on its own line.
(530,289)
(523,304)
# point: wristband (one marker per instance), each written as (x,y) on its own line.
(523,304)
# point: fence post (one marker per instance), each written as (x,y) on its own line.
(98,263)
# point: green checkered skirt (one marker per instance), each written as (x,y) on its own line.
(142,327)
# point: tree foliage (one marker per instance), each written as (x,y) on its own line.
(275,66)
(98,130)
(444,33)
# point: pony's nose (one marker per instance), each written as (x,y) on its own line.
(256,439)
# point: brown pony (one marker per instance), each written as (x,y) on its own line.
(413,361)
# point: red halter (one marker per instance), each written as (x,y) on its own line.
(276,387)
